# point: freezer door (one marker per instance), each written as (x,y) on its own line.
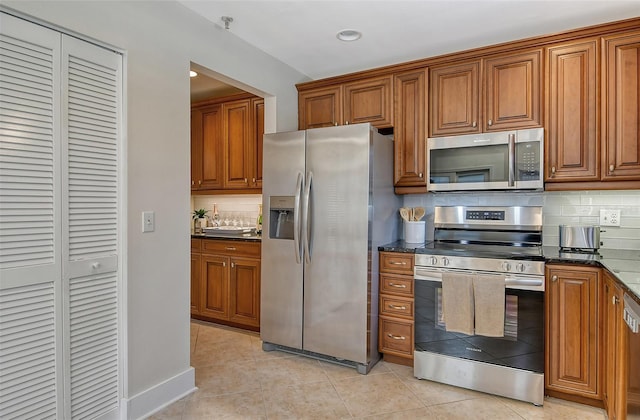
(282,266)
(337,237)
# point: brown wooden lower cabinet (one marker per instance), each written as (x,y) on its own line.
(573,356)
(226,284)
(614,348)
(396,320)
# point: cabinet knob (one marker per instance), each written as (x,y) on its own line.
(611,168)
(554,278)
(254,180)
(193,182)
(199,182)
(614,300)
(224,264)
(553,170)
(420,174)
(335,123)
(346,122)
(233,265)
(245,180)
(490,122)
(475,124)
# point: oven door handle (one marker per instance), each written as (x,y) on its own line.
(535,283)
(510,281)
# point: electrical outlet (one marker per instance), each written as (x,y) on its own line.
(148,221)
(609,217)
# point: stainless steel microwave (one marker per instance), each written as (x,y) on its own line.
(506,160)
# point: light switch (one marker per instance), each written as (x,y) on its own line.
(148,221)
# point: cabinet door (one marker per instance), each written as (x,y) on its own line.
(621,121)
(512,92)
(409,132)
(454,99)
(196,274)
(238,140)
(572,150)
(215,287)
(572,336)
(370,100)
(244,293)
(320,107)
(613,348)
(257,106)
(212,148)
(196,148)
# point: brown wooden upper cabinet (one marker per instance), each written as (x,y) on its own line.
(409,169)
(592,119)
(572,151)
(226,145)
(492,94)
(621,120)
(206,148)
(366,100)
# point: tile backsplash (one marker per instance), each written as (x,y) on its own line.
(244,206)
(560,208)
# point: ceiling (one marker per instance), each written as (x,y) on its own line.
(302,33)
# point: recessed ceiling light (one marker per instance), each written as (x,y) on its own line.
(192,73)
(348,35)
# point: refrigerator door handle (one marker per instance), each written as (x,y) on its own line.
(306,233)
(296,219)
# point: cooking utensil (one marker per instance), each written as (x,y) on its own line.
(418,213)
(404,213)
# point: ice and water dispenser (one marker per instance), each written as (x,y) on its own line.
(281,215)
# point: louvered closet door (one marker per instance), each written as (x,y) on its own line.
(92,112)
(30,234)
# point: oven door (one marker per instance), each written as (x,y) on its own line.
(522,346)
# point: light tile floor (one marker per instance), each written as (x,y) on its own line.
(237,380)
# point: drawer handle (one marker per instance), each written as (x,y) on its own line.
(399,286)
(230,248)
(396,337)
(398,263)
(397,307)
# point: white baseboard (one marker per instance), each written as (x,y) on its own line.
(154,399)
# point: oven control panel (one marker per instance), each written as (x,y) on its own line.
(481,264)
(484,215)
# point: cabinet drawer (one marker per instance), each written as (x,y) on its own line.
(396,285)
(396,262)
(396,306)
(232,248)
(196,245)
(396,336)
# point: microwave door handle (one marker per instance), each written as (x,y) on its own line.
(512,159)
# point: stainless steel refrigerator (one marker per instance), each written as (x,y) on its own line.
(328,203)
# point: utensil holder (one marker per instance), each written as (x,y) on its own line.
(414,232)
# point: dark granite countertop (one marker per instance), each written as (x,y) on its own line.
(624,264)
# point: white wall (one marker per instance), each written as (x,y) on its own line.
(559,208)
(160,39)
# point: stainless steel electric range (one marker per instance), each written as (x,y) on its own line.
(503,242)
